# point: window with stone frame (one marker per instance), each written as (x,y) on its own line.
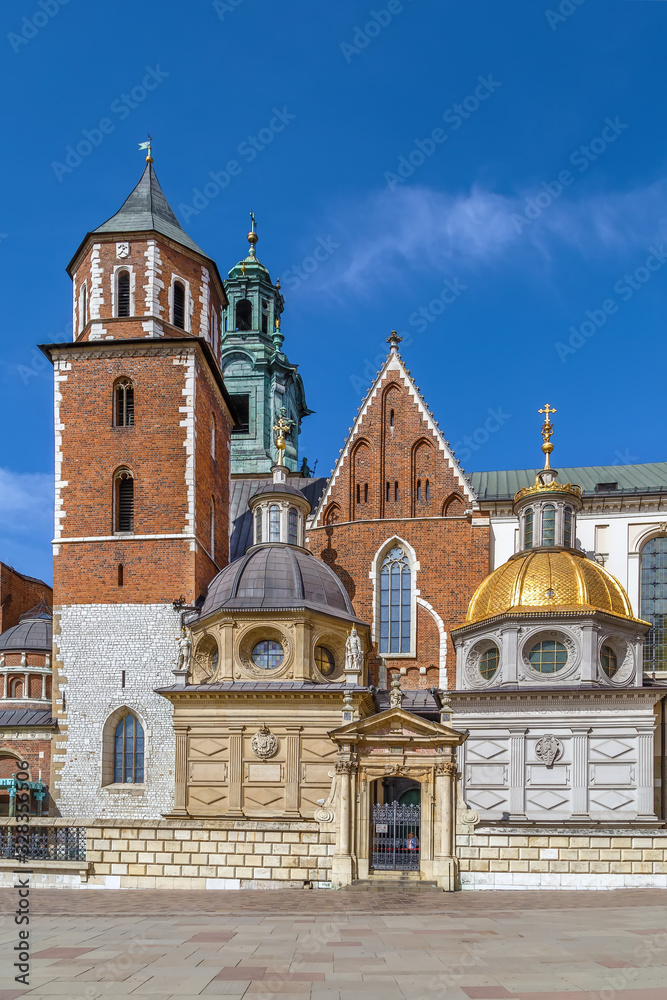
(395,607)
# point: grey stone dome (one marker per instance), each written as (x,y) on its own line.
(32,634)
(278,576)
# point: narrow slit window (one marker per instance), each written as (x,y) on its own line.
(388,492)
(427,491)
(396,492)
(212,529)
(419,490)
(293,527)
(83,310)
(391,419)
(274,523)
(121,575)
(358,493)
(124,502)
(123,293)
(528,530)
(567,528)
(549,525)
(179,304)
(365,492)
(124,403)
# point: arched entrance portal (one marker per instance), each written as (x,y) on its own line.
(395,832)
(384,762)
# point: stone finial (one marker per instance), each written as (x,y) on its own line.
(394,340)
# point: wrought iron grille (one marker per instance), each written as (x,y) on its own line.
(395,837)
(43,843)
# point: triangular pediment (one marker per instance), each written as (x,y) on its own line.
(397,723)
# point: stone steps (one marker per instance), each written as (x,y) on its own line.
(373,884)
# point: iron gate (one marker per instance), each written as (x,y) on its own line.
(395,837)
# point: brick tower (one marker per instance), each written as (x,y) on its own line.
(142,438)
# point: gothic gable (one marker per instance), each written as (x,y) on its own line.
(396,462)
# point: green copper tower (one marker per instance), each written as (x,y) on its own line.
(258,375)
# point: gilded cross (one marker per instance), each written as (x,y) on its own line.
(547,410)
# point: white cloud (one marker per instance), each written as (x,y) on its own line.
(26,521)
(392,234)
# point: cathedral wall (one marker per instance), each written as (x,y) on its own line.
(94,644)
(452,556)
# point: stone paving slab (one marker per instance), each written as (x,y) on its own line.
(319,945)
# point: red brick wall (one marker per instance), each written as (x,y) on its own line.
(18,594)
(393,450)
(154,570)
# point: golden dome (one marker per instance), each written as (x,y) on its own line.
(558,579)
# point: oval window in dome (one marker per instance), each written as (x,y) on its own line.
(488,664)
(324,661)
(548,656)
(268,654)
(609,661)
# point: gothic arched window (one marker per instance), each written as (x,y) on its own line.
(244,314)
(123,500)
(395,602)
(179,304)
(549,525)
(123,293)
(128,751)
(123,403)
(274,523)
(654,602)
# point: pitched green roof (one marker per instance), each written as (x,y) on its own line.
(649,478)
(146,209)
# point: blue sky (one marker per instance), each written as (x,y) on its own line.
(489,179)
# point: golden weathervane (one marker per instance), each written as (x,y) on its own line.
(547,431)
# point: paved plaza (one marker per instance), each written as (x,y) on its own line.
(326,945)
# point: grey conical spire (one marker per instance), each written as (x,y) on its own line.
(147,209)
